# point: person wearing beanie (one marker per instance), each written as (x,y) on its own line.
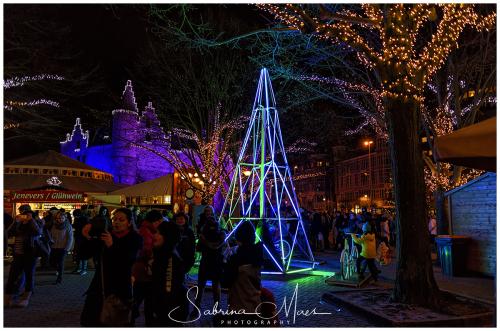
(243,272)
(26,230)
(142,268)
(368,252)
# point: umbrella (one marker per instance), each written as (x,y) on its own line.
(473,146)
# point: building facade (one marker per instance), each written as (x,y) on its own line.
(128,163)
(365,181)
(313,181)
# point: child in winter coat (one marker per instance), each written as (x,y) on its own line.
(368,252)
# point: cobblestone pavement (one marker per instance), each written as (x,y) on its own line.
(60,305)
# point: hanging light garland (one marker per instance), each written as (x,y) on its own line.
(10,105)
(20,81)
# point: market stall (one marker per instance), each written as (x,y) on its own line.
(50,179)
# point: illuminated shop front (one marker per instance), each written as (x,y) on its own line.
(50,179)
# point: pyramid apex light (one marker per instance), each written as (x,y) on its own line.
(265,95)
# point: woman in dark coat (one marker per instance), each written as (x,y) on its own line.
(170,304)
(115,253)
(211,239)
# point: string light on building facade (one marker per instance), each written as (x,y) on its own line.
(309,175)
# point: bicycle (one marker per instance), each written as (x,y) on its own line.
(348,259)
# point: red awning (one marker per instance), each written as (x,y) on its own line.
(473,146)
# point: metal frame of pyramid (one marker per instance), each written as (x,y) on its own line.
(261,189)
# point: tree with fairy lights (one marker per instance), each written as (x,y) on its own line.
(203,159)
(456,97)
(20,115)
(387,40)
(201,100)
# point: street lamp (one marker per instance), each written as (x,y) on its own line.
(369,144)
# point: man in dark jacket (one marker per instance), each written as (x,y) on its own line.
(26,230)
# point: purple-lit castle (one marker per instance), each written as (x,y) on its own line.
(128,164)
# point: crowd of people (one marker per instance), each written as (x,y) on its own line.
(373,234)
(138,259)
(143,258)
(328,230)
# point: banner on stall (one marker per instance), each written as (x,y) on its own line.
(46,196)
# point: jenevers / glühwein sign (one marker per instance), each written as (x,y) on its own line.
(46,196)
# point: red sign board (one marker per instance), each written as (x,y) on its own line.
(46,196)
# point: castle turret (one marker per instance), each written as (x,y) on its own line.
(76,143)
(151,125)
(126,130)
(128,98)
(152,136)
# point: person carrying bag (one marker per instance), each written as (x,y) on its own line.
(114,312)
(108,299)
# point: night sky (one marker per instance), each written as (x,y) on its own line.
(97,48)
(72,40)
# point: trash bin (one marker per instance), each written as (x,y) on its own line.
(452,252)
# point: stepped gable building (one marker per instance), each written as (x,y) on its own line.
(122,158)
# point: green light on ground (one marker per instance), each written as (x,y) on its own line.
(322,273)
(298,270)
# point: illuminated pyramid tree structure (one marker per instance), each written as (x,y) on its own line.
(262,191)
